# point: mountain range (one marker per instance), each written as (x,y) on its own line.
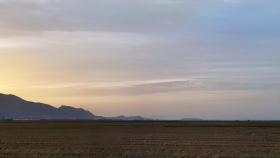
(14,107)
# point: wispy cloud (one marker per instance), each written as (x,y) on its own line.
(46,39)
(125,87)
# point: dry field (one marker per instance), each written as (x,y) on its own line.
(43,139)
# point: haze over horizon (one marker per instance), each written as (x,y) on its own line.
(168,59)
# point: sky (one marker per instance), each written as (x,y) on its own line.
(165,59)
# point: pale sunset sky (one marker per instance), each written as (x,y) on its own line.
(167,59)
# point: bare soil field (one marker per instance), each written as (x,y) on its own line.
(89,139)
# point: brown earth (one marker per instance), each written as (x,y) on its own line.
(86,139)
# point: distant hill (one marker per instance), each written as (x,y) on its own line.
(128,118)
(13,107)
(191,119)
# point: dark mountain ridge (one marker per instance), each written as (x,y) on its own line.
(13,107)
